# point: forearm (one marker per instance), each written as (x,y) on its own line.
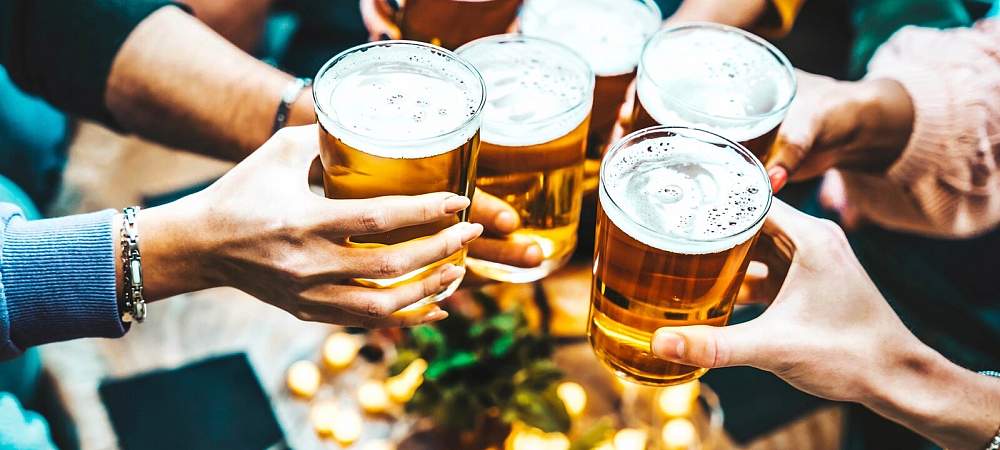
(178,82)
(923,391)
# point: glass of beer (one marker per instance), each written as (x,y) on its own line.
(610,35)
(679,209)
(399,118)
(718,78)
(533,140)
(452,23)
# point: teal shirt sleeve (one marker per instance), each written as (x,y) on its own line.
(62,50)
(20,429)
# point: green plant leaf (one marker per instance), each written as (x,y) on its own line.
(596,433)
(544,411)
(502,345)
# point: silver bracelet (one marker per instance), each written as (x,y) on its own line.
(288,96)
(995,443)
(133,307)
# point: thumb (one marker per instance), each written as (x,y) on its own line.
(710,347)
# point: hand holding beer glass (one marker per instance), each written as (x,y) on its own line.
(718,78)
(533,141)
(400,118)
(679,209)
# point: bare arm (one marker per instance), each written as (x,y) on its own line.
(176,81)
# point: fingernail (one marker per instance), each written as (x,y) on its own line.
(450,273)
(470,231)
(384,37)
(778,176)
(533,255)
(505,222)
(668,345)
(435,316)
(455,204)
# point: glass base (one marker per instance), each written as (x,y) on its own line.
(510,274)
(436,297)
(632,376)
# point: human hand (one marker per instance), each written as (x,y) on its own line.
(828,331)
(861,125)
(499,220)
(379,17)
(261,230)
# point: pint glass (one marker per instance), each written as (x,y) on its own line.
(609,34)
(679,209)
(451,23)
(399,118)
(533,140)
(718,78)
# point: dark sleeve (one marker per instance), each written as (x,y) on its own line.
(62,50)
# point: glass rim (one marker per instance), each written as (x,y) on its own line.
(329,64)
(633,137)
(578,59)
(651,5)
(753,38)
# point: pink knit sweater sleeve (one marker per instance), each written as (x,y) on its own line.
(946,183)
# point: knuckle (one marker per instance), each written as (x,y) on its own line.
(389,266)
(374,219)
(378,307)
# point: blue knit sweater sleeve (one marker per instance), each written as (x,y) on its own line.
(57,279)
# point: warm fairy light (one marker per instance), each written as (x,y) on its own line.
(630,439)
(323,416)
(573,396)
(303,378)
(678,401)
(347,427)
(340,350)
(372,397)
(606,445)
(402,387)
(379,445)
(679,434)
(524,437)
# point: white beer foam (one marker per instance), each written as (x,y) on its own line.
(714,79)
(685,196)
(536,90)
(400,101)
(609,34)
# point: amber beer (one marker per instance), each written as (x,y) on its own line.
(609,34)
(715,77)
(678,211)
(399,118)
(452,23)
(533,141)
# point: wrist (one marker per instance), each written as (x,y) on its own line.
(174,252)
(884,117)
(302,111)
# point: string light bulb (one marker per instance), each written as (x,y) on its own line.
(346,428)
(573,396)
(630,439)
(340,350)
(372,397)
(679,401)
(679,434)
(303,378)
(402,387)
(323,416)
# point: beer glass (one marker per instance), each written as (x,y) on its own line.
(715,77)
(452,23)
(610,35)
(678,210)
(399,118)
(533,141)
